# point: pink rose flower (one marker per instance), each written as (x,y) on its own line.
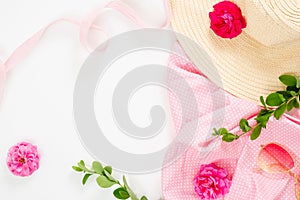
(227,20)
(23,159)
(211,182)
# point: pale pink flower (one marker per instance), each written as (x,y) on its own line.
(211,182)
(23,159)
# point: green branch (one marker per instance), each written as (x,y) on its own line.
(276,104)
(106,180)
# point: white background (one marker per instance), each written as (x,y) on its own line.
(37,104)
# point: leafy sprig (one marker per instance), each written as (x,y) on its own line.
(106,180)
(276,104)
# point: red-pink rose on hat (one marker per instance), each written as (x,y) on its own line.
(211,182)
(227,20)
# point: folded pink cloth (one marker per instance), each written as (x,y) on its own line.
(239,158)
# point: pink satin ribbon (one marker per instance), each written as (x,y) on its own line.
(85,26)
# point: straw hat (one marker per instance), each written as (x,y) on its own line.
(250,64)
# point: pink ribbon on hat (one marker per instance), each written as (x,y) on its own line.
(85,26)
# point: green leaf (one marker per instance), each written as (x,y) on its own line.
(288,80)
(223,131)
(97,167)
(85,178)
(229,137)
(103,182)
(108,169)
(283,99)
(81,165)
(263,117)
(293,93)
(296,103)
(292,88)
(256,132)
(298,83)
(215,133)
(279,111)
(263,101)
(77,169)
(274,99)
(290,105)
(109,177)
(286,94)
(144,198)
(264,112)
(131,193)
(244,125)
(121,193)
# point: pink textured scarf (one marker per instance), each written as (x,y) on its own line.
(238,158)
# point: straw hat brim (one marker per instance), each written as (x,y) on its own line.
(247,68)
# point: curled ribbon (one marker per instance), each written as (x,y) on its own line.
(2,78)
(85,26)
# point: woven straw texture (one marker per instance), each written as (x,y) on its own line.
(249,65)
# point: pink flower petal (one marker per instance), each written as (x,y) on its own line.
(211,182)
(227,20)
(23,159)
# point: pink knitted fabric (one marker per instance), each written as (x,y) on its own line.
(238,158)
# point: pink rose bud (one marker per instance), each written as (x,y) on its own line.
(227,20)
(23,159)
(211,182)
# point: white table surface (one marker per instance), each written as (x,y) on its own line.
(37,105)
